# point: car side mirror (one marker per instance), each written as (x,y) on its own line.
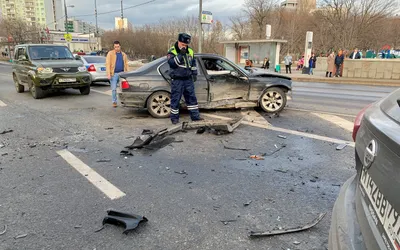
(22,58)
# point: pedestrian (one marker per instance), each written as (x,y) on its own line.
(116,62)
(311,63)
(331,64)
(288,63)
(339,59)
(265,63)
(183,74)
(355,54)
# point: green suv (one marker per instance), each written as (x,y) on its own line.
(42,67)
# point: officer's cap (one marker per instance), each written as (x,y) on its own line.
(184,38)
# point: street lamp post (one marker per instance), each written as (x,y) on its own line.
(200,27)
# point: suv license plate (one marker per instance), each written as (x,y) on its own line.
(67,80)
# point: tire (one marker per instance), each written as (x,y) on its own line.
(85,90)
(18,87)
(37,92)
(159,104)
(273,100)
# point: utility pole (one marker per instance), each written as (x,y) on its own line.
(122,16)
(66,20)
(200,26)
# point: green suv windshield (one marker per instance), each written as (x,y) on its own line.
(49,53)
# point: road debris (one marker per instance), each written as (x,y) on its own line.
(256,157)
(4,231)
(20,236)
(103,160)
(281,171)
(313,180)
(336,185)
(4,154)
(235,148)
(147,132)
(2,146)
(109,128)
(276,150)
(282,136)
(289,230)
(6,131)
(296,242)
(181,172)
(78,226)
(247,203)
(341,146)
(226,222)
(130,221)
(98,230)
(125,153)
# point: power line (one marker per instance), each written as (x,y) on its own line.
(108,12)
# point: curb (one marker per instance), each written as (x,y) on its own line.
(389,83)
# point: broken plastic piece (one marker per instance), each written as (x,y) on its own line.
(6,131)
(130,221)
(20,236)
(4,231)
(282,136)
(341,146)
(126,152)
(256,157)
(147,132)
(289,230)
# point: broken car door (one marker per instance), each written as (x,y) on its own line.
(201,85)
(226,81)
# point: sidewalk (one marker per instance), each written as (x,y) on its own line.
(319,76)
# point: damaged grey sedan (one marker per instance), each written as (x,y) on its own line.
(221,84)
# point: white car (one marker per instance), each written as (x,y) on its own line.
(96,66)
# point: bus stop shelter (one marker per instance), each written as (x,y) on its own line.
(239,51)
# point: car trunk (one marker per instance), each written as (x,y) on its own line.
(100,67)
(378,165)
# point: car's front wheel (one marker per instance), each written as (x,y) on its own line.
(19,87)
(37,92)
(273,100)
(159,104)
(85,90)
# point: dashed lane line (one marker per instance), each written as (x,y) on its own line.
(287,131)
(92,176)
(2,104)
(320,112)
(108,92)
(338,121)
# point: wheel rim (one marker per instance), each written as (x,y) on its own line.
(272,100)
(161,104)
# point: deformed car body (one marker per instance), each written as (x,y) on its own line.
(366,214)
(220,84)
(42,67)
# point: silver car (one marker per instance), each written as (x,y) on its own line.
(96,66)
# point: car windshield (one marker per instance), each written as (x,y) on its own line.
(151,64)
(49,53)
(95,59)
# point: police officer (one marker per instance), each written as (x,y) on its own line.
(183,73)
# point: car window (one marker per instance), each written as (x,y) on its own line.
(49,53)
(215,66)
(165,69)
(20,52)
(95,59)
(150,64)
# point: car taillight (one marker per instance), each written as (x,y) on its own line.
(91,68)
(124,84)
(357,122)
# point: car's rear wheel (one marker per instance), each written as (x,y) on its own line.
(37,92)
(159,104)
(85,90)
(273,100)
(20,88)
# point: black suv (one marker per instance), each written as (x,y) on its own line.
(41,67)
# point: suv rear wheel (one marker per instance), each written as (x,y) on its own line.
(20,88)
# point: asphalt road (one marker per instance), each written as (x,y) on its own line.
(186,188)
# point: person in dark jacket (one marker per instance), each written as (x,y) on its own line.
(355,54)
(339,59)
(183,73)
(312,63)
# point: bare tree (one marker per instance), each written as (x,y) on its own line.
(20,31)
(240,27)
(259,12)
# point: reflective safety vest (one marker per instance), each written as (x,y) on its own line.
(188,62)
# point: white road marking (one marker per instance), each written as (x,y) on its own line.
(92,176)
(5,74)
(2,104)
(321,112)
(102,92)
(287,131)
(252,115)
(343,123)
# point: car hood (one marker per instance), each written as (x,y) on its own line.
(57,63)
(256,74)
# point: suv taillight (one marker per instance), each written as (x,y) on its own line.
(124,84)
(91,68)
(357,122)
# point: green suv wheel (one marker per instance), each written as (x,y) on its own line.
(37,92)
(85,90)
(20,88)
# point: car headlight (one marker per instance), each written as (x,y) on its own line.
(82,69)
(44,70)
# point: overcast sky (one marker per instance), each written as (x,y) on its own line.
(151,12)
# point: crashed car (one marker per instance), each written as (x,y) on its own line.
(220,84)
(366,214)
